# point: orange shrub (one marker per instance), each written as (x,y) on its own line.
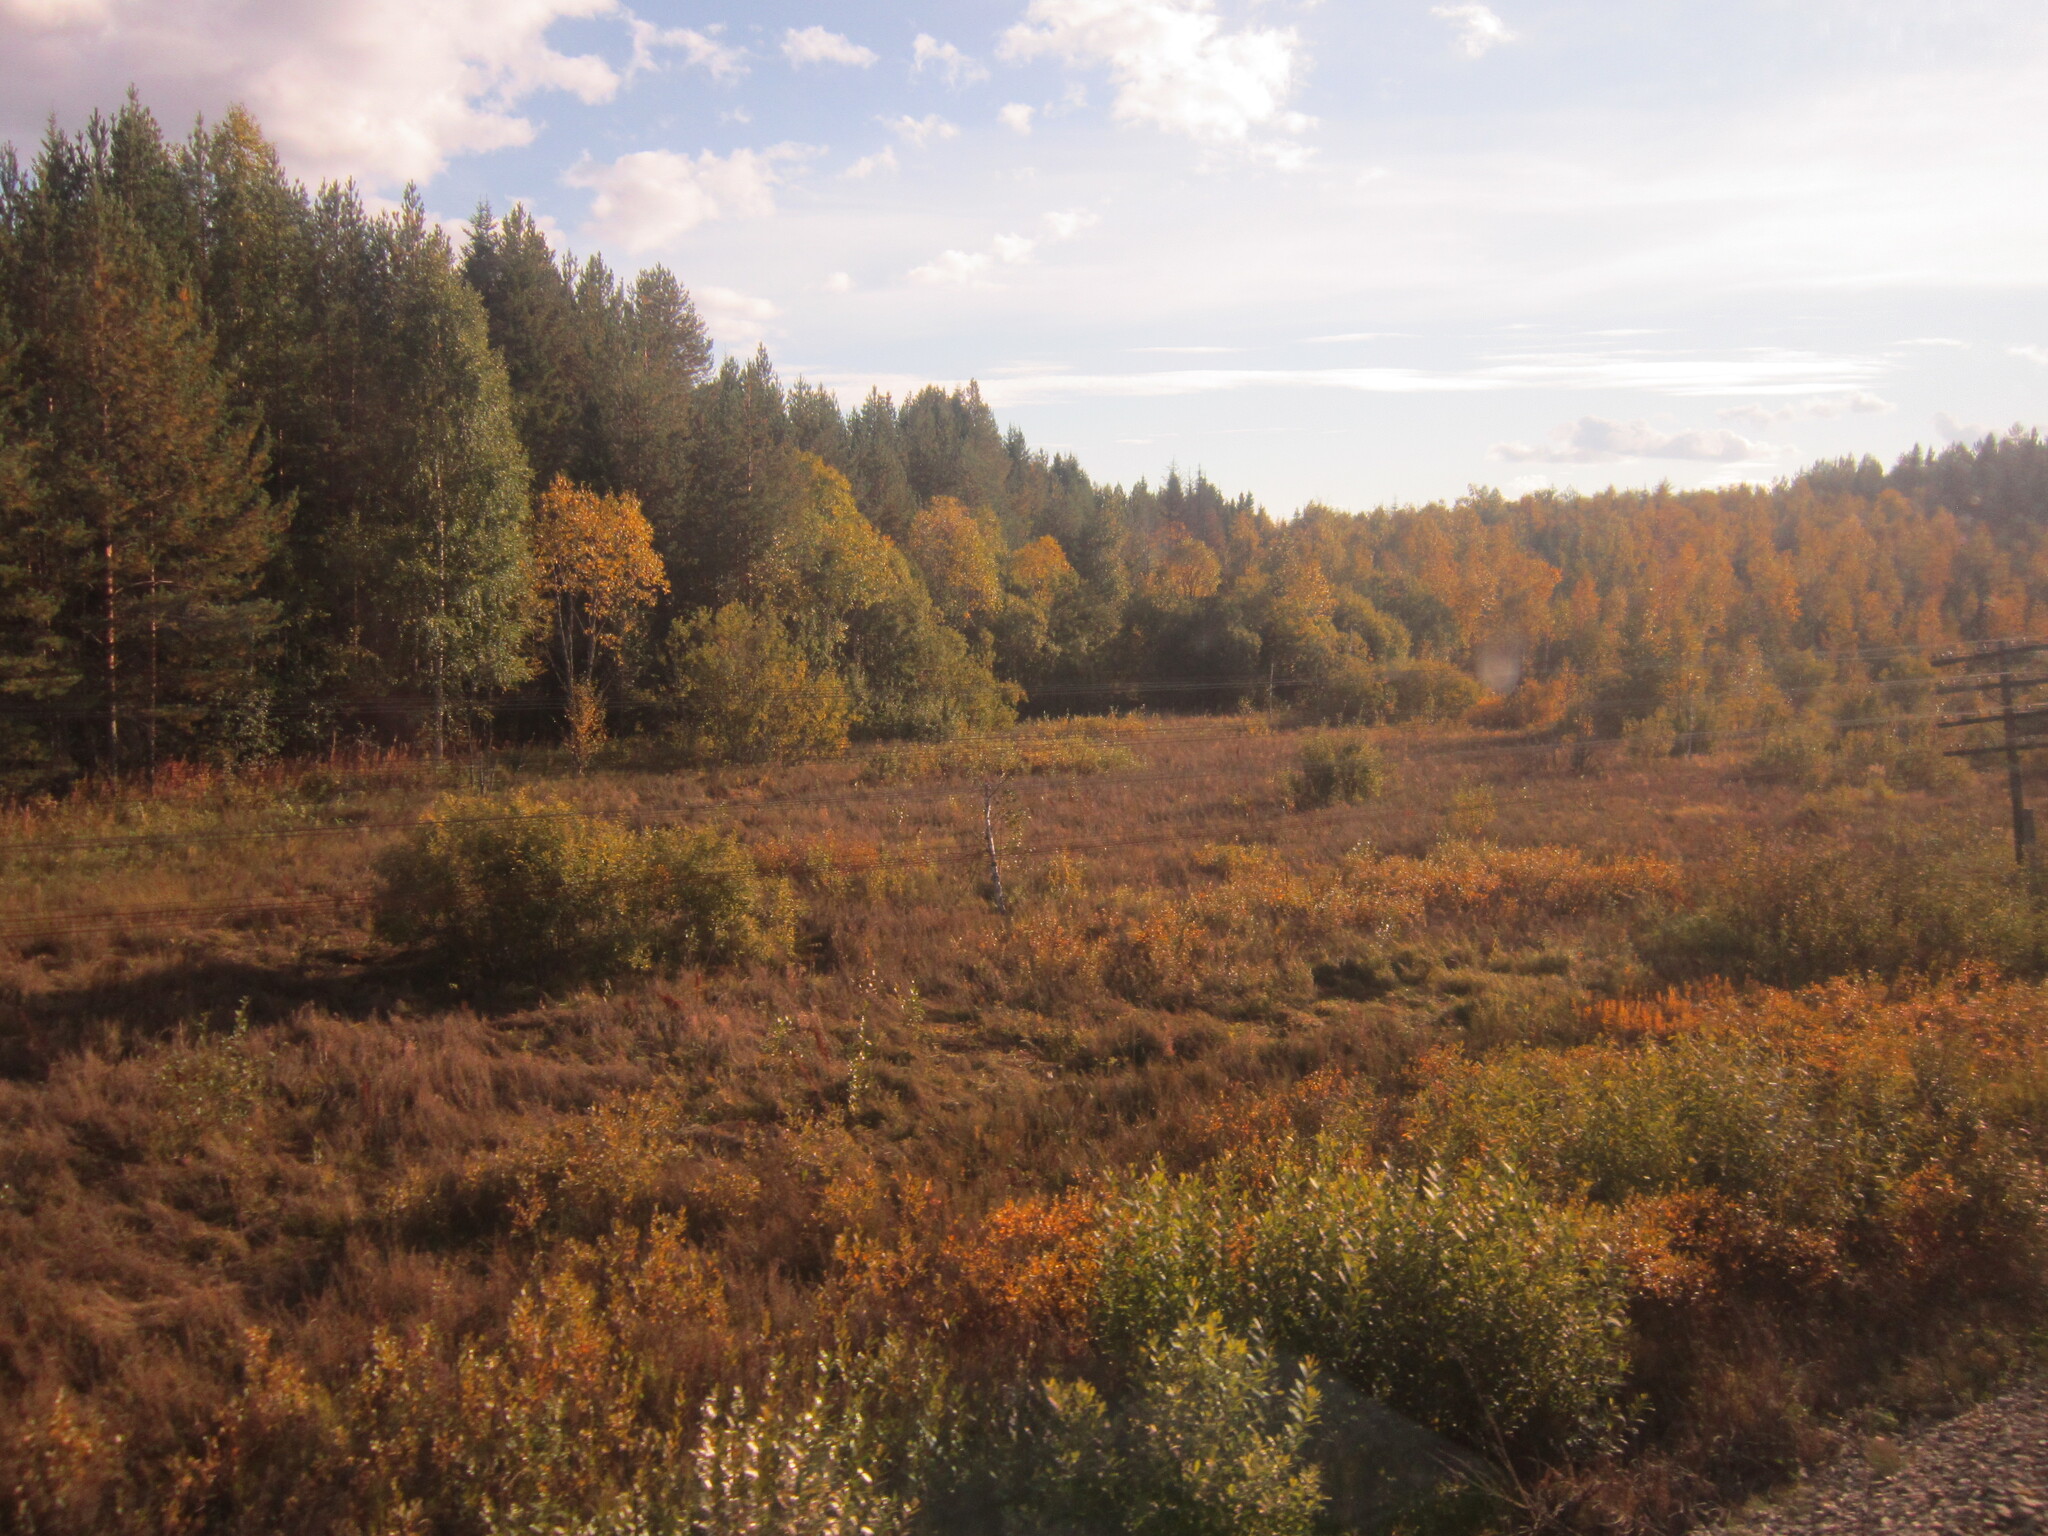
(1480,880)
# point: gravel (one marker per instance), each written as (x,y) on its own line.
(1983,1473)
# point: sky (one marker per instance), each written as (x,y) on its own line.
(1362,252)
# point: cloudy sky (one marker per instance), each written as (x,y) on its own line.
(1361,251)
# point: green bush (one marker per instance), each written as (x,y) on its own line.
(513,890)
(1774,1125)
(1465,1301)
(1431,690)
(749,694)
(1335,770)
(1732,1115)
(1351,691)
(1209,1444)
(1799,757)
(1793,914)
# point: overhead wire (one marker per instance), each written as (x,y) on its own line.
(1135,688)
(879,759)
(969,842)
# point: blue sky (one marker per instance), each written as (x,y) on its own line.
(1361,251)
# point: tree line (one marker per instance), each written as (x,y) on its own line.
(277,470)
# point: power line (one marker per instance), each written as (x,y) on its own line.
(964,841)
(405,706)
(878,758)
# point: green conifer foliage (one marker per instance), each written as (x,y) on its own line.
(152,527)
(451,539)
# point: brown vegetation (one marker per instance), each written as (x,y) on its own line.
(303,1229)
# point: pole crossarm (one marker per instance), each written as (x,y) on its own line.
(2035,712)
(1990,652)
(2017,746)
(1989,681)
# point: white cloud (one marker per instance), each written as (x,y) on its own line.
(1068,222)
(814,45)
(1283,154)
(958,267)
(839,282)
(869,164)
(1756,373)
(1016,117)
(958,67)
(653,196)
(883,160)
(1479,29)
(1054,388)
(1828,408)
(1599,440)
(1752,371)
(920,131)
(1173,63)
(736,319)
(382,90)
(55,13)
(972,267)
(2031,354)
(703,49)
(1956,430)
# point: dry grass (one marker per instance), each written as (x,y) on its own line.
(218,1129)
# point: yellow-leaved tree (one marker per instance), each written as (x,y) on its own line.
(597,571)
(960,563)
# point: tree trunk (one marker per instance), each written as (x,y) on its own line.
(111,637)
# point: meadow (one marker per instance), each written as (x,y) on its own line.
(392,1146)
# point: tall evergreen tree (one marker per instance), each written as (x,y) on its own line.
(153,527)
(876,470)
(34,665)
(450,540)
(545,339)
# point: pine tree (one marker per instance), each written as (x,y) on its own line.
(455,575)
(34,665)
(881,483)
(545,339)
(152,527)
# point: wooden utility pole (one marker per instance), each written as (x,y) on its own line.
(2010,716)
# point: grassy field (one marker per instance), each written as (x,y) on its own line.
(1644,1127)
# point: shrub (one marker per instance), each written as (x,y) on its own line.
(749,694)
(1531,704)
(1431,690)
(1352,691)
(1797,757)
(1464,1300)
(523,891)
(1793,914)
(1834,1136)
(1471,814)
(914,677)
(1334,770)
(1652,736)
(1026,752)
(1209,1444)
(1501,885)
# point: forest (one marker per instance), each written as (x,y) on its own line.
(593,942)
(278,473)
